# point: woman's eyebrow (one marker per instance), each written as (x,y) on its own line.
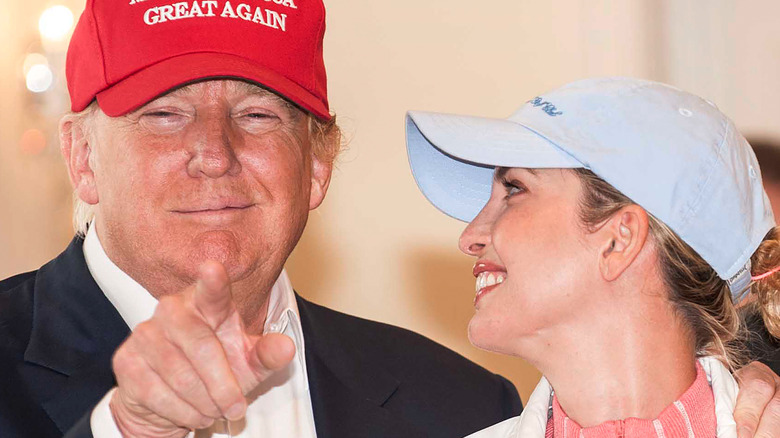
(501,172)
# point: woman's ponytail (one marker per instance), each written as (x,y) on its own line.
(766,281)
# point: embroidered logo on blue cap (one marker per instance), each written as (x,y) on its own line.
(547,107)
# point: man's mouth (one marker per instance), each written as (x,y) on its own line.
(216,206)
(214,210)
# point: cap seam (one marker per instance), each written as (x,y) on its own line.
(749,250)
(321,36)
(692,207)
(100,45)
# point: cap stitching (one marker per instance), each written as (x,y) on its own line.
(697,202)
(320,30)
(100,46)
(693,206)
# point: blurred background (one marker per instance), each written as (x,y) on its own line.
(376,248)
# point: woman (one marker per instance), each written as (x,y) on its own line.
(614,223)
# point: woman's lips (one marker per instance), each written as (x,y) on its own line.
(489,277)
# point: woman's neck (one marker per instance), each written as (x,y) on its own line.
(623,363)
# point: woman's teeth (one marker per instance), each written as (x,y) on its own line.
(485,279)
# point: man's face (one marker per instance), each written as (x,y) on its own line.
(218,170)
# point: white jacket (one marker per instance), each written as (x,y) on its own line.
(532,423)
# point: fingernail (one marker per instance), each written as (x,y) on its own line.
(235,412)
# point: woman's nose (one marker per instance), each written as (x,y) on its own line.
(476,236)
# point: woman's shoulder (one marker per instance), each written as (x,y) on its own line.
(724,389)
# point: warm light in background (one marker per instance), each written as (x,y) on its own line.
(55,23)
(39,78)
(32,60)
(33,142)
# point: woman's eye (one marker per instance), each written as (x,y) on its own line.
(513,188)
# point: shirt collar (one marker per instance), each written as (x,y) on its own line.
(135,304)
(678,416)
(532,422)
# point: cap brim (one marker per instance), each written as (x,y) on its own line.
(141,87)
(453,157)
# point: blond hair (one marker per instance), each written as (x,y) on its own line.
(325,137)
(701,297)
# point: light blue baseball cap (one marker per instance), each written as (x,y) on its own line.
(671,152)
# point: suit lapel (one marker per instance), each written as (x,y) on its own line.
(75,331)
(348,391)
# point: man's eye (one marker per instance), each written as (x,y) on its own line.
(163,121)
(259,115)
(162,115)
(257,121)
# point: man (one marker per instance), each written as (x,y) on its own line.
(200,140)
(762,344)
(193,184)
(768,155)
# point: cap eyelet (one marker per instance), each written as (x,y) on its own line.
(685,112)
(752,172)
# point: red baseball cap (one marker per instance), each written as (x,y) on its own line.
(128,52)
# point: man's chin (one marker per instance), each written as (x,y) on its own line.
(223,246)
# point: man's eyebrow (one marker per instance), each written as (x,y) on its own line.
(263,92)
(251,88)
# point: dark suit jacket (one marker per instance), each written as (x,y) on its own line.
(58,333)
(761,344)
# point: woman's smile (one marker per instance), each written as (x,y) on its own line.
(489,276)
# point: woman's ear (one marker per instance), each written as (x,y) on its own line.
(623,237)
(77,151)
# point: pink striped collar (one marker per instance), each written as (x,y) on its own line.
(692,415)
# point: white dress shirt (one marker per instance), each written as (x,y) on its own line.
(279,407)
(532,422)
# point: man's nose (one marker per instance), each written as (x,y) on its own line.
(476,237)
(214,145)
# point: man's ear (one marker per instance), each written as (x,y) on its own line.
(320,181)
(623,237)
(76,150)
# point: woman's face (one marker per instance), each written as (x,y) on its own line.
(536,264)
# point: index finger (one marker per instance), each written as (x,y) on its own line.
(755,401)
(212,296)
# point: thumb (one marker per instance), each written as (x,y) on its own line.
(271,352)
(212,297)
